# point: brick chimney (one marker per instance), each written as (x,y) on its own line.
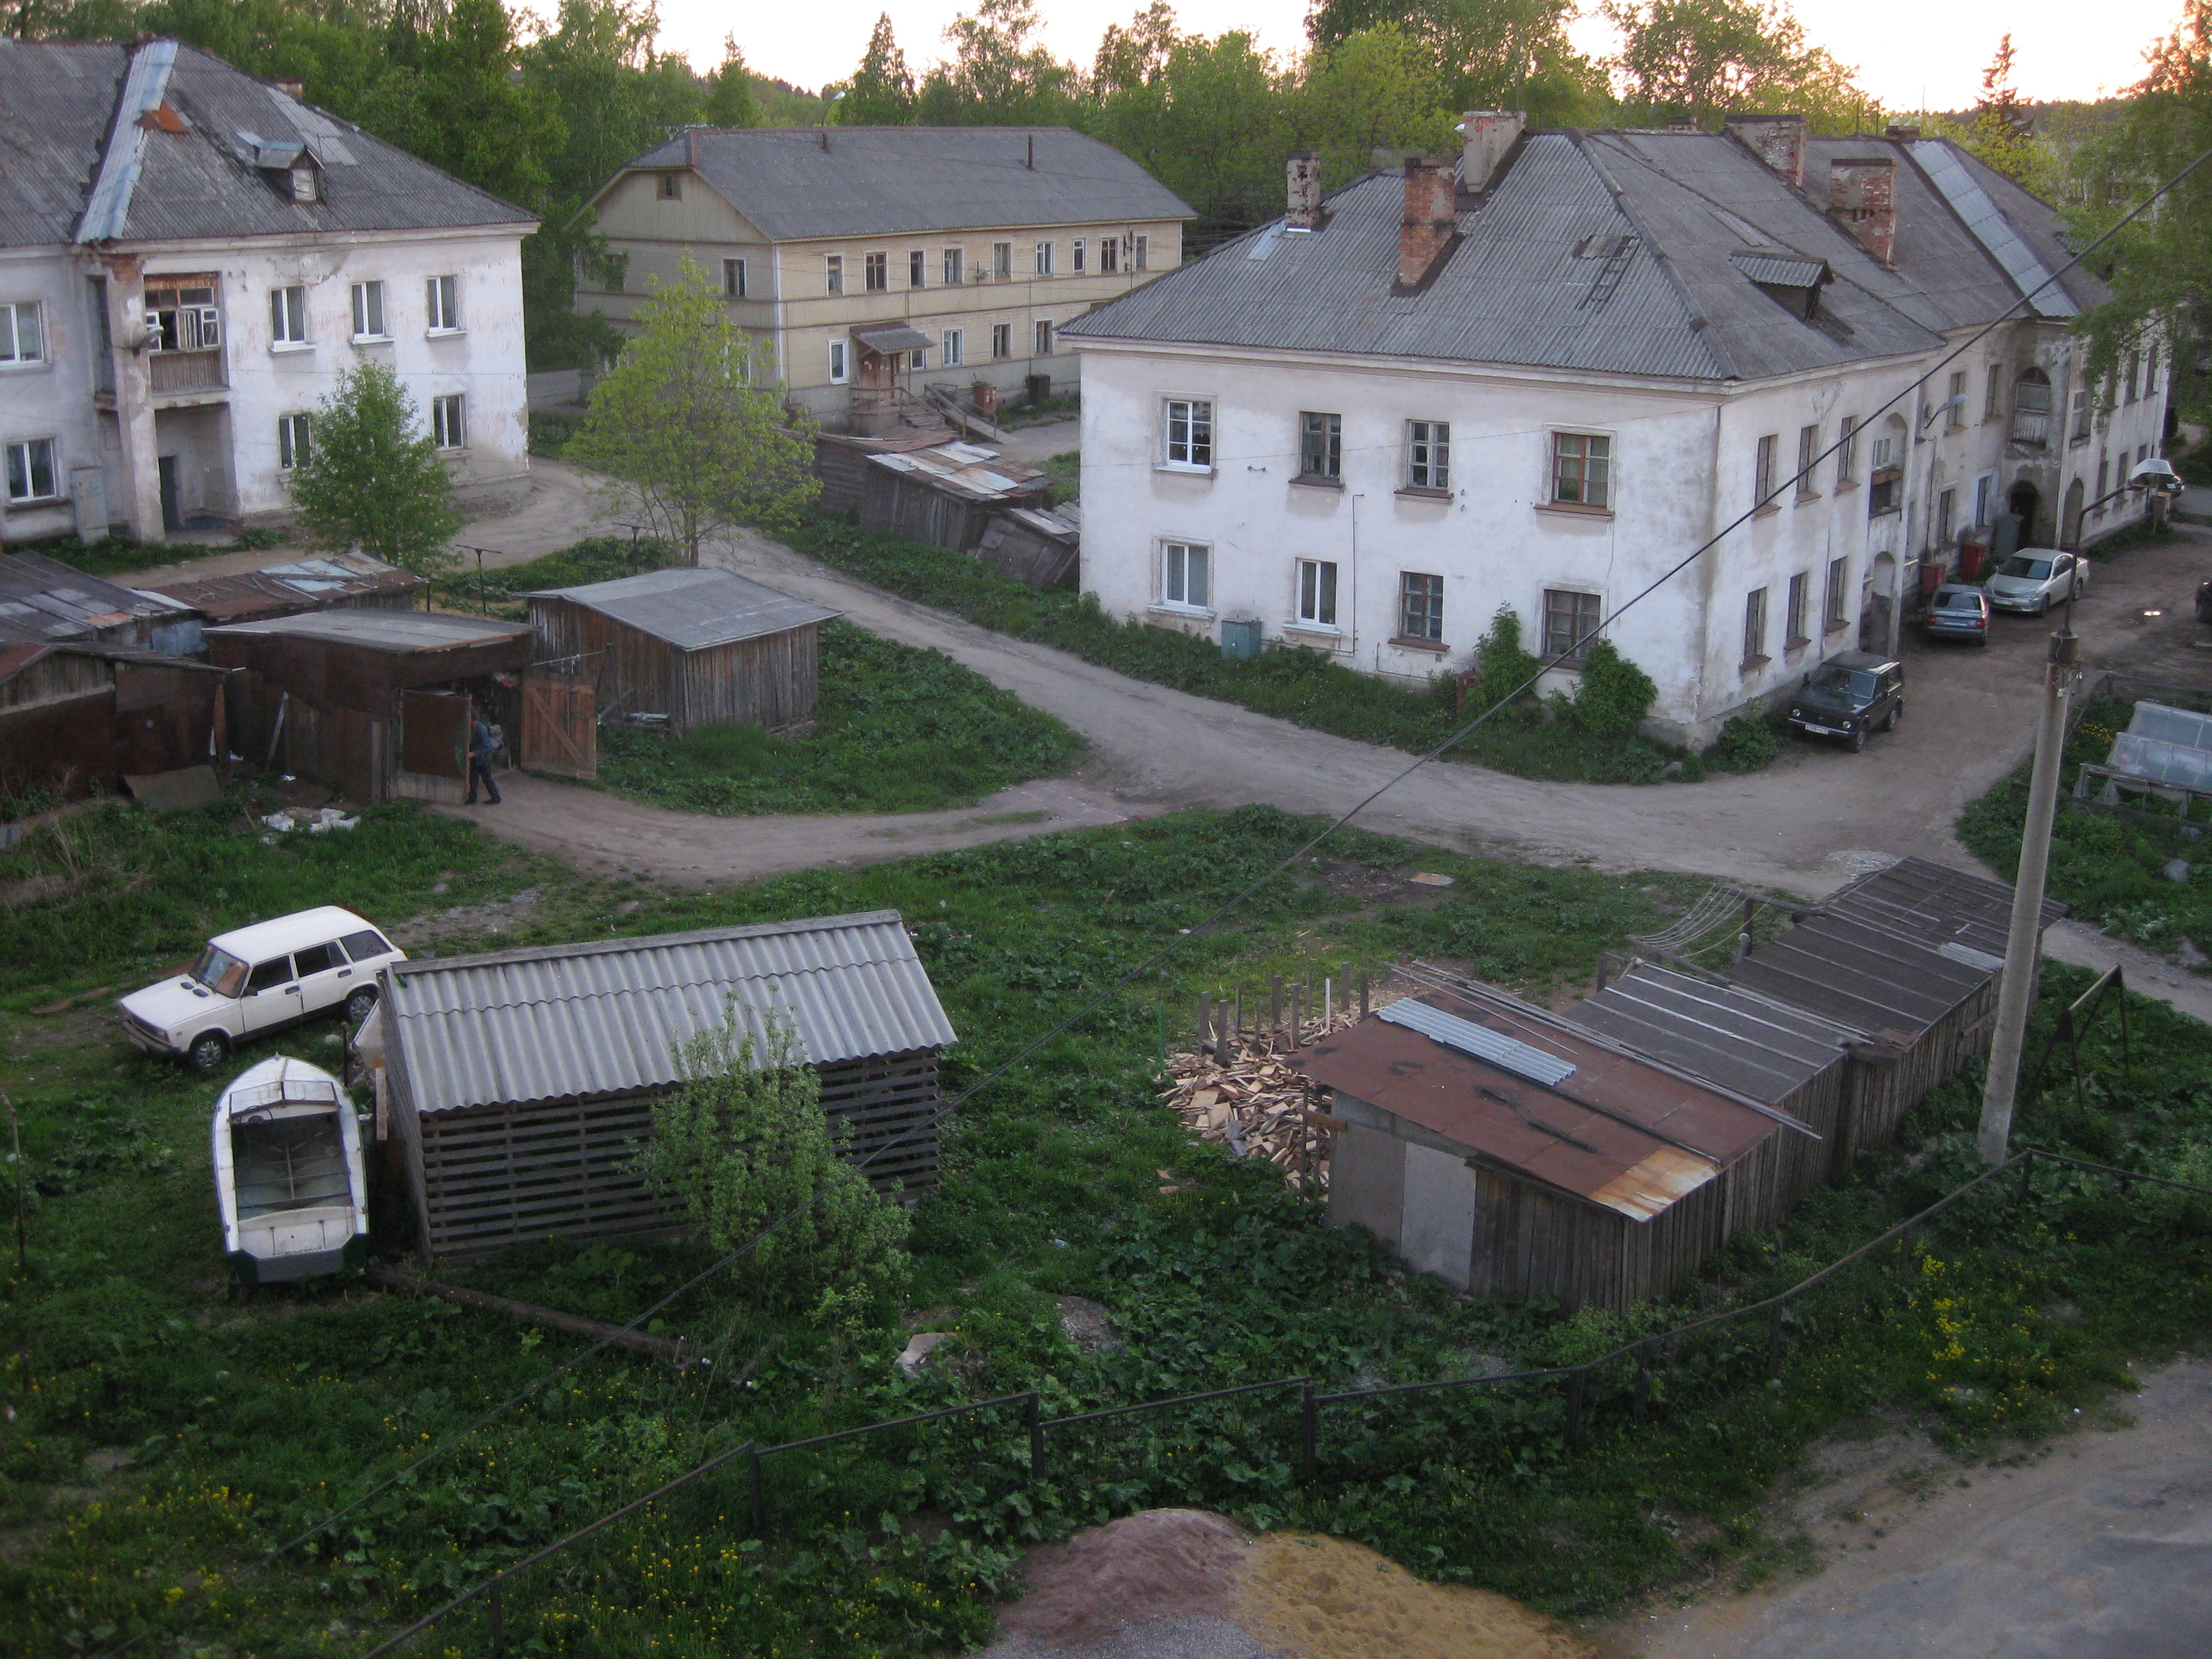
(1304,173)
(290,85)
(1430,227)
(1861,197)
(1776,140)
(1489,134)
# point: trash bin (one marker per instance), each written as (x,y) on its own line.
(1973,560)
(1239,639)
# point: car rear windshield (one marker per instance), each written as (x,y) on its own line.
(1958,599)
(219,971)
(1855,682)
(366,944)
(2019,564)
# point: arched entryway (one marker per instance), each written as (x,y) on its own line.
(2070,531)
(2023,503)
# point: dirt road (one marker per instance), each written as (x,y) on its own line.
(2100,1547)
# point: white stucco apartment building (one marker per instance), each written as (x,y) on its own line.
(1541,379)
(190,257)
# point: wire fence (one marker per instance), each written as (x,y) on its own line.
(1345,1436)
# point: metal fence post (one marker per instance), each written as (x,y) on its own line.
(1310,1428)
(1575,1408)
(1034,1409)
(760,1500)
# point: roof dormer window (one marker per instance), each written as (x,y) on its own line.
(307,183)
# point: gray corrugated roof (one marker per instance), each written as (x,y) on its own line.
(384,631)
(1742,1042)
(1781,271)
(692,609)
(1937,905)
(886,180)
(41,602)
(1946,169)
(59,110)
(1670,219)
(580,1021)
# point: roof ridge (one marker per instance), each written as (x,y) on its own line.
(653,941)
(1701,327)
(145,85)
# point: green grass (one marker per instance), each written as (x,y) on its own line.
(896,729)
(223,1428)
(1291,684)
(1065,471)
(119,553)
(2109,868)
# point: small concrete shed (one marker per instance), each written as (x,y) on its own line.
(521,1081)
(1517,1155)
(696,645)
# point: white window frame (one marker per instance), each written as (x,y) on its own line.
(955,348)
(449,420)
(1754,628)
(873,264)
(1075,257)
(1197,419)
(1175,588)
(1043,260)
(369,307)
(1428,455)
(1040,337)
(734,279)
(442,302)
(954,266)
(833,273)
(13,330)
(1314,594)
(917,267)
(1002,342)
(296,441)
(1109,255)
(9,467)
(1986,499)
(288,318)
(840,362)
(1140,260)
(918,359)
(1002,262)
(1762,473)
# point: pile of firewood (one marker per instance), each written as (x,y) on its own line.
(1256,1105)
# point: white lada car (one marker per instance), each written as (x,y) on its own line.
(256,979)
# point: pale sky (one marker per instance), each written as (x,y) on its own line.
(1910,54)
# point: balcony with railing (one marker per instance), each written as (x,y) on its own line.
(185,371)
(2031,429)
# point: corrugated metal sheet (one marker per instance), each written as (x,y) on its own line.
(893,337)
(1941,161)
(693,609)
(1935,905)
(340,580)
(604,1019)
(62,108)
(891,180)
(1782,272)
(1748,1044)
(1521,1059)
(42,601)
(1518,289)
(1862,974)
(397,631)
(963,470)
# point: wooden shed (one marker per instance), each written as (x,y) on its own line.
(924,486)
(79,718)
(521,1081)
(1518,1155)
(337,581)
(1910,955)
(696,645)
(373,703)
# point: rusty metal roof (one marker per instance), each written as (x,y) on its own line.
(283,589)
(1749,1045)
(42,601)
(1935,905)
(963,470)
(588,1021)
(1626,1133)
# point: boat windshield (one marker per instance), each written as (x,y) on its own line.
(219,971)
(1853,682)
(2034,570)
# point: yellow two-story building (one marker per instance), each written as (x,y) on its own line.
(870,262)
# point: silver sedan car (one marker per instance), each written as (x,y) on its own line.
(2036,577)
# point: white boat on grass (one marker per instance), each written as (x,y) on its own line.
(289,1174)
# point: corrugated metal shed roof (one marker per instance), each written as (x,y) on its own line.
(1748,1044)
(1783,270)
(885,180)
(963,470)
(1860,974)
(1629,1135)
(301,584)
(693,608)
(60,112)
(582,1021)
(1935,905)
(400,631)
(42,601)
(1946,168)
(1621,252)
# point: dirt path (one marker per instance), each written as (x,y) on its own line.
(2100,1547)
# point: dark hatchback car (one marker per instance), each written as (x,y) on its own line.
(1958,611)
(1848,695)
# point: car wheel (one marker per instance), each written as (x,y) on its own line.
(358,1005)
(1856,741)
(1896,714)
(2043,605)
(2077,591)
(207,1050)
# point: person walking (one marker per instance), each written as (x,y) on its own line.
(481,750)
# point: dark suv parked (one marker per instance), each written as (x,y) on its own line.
(1848,695)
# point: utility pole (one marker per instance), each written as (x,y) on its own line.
(2016,990)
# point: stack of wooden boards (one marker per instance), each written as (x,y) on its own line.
(1254,1105)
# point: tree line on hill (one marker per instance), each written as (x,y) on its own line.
(541,111)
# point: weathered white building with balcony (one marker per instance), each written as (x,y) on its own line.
(189,258)
(1543,377)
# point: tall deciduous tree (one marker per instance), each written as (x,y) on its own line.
(1379,89)
(882,92)
(1706,58)
(1207,117)
(1511,54)
(1000,74)
(689,426)
(742,1147)
(373,478)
